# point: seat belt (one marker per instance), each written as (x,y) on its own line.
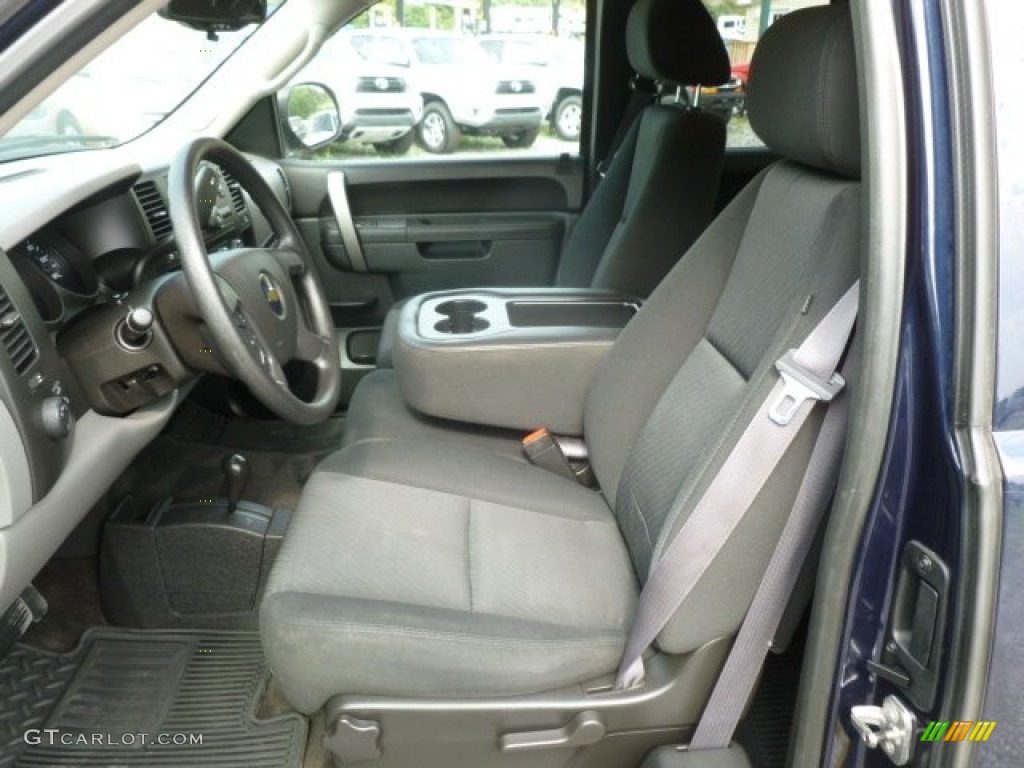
(642,93)
(743,665)
(807,375)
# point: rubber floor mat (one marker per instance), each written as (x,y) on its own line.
(142,698)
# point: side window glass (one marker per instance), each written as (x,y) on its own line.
(434,80)
(741,24)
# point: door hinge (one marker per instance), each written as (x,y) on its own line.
(890,727)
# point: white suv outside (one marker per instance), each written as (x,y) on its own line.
(464,91)
(378,103)
(558,70)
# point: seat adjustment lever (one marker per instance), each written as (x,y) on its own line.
(583,730)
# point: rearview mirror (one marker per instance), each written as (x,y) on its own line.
(313,115)
(216,15)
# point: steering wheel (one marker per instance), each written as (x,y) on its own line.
(262,307)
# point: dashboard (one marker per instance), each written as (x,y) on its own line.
(89,244)
(105,248)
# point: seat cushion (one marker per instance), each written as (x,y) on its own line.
(417,569)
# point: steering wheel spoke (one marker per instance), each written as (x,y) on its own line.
(290,261)
(310,346)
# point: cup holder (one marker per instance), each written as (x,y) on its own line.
(461,316)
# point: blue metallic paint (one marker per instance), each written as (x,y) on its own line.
(1005,702)
(919,491)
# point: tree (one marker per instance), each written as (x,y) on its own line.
(485,12)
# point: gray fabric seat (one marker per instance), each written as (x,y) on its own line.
(416,578)
(422,567)
(660,189)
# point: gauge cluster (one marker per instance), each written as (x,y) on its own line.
(113,244)
(49,259)
(59,277)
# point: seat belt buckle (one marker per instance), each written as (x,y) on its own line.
(543,450)
(801,385)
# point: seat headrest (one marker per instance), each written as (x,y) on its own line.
(802,96)
(675,41)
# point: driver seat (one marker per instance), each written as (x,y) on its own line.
(424,576)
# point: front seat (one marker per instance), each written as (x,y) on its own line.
(423,569)
(660,189)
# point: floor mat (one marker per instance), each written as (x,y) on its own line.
(114,699)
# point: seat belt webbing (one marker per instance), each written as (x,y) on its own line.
(641,96)
(743,665)
(808,374)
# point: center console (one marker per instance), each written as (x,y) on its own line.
(516,358)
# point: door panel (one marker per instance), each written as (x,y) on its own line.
(435,225)
(430,252)
(427,186)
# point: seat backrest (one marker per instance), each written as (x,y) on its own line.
(688,373)
(660,189)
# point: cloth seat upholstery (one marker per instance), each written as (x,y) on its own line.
(422,567)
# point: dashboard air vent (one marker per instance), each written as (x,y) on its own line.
(154,207)
(237,198)
(15,337)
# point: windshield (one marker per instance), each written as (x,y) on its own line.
(125,91)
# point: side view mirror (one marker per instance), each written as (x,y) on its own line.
(312,115)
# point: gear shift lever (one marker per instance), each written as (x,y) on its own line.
(236,475)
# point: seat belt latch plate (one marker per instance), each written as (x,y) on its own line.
(801,385)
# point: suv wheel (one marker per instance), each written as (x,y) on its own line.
(521,139)
(398,146)
(437,132)
(568,117)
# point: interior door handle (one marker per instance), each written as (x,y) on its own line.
(338,195)
(583,730)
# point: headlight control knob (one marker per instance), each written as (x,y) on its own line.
(56,417)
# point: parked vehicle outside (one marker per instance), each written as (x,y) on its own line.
(559,70)
(68,112)
(729,98)
(379,102)
(464,91)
